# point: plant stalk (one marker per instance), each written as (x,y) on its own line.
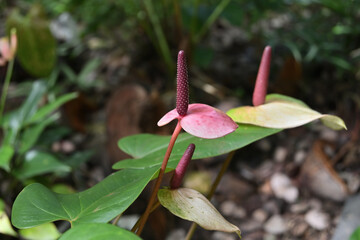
(156,205)
(164,47)
(8,76)
(116,220)
(211,193)
(211,19)
(159,179)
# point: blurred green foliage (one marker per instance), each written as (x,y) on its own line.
(36,45)
(322,31)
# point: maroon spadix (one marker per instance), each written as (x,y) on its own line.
(262,78)
(182,91)
(181,167)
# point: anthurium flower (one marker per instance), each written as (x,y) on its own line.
(197,119)
(8,47)
(275,110)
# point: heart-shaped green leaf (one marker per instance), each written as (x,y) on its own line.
(191,205)
(36,45)
(148,150)
(45,231)
(282,112)
(98,231)
(36,204)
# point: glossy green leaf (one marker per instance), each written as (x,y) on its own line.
(46,231)
(44,111)
(36,204)
(355,235)
(37,163)
(282,98)
(5,225)
(6,153)
(36,45)
(282,113)
(148,150)
(191,205)
(98,231)
(32,133)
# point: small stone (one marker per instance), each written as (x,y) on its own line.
(264,171)
(176,234)
(56,147)
(280,154)
(264,145)
(221,236)
(297,225)
(229,208)
(315,204)
(299,229)
(283,187)
(269,236)
(317,219)
(352,180)
(250,226)
(272,207)
(299,157)
(299,207)
(260,215)
(328,134)
(275,225)
(128,221)
(67,146)
(265,188)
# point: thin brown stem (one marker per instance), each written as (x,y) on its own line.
(159,179)
(211,193)
(116,220)
(156,205)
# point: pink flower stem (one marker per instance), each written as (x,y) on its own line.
(159,179)
(9,72)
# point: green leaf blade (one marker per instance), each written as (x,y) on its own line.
(98,231)
(282,112)
(37,205)
(147,154)
(191,205)
(45,231)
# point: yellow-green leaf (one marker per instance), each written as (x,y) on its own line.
(282,112)
(191,205)
(5,225)
(45,231)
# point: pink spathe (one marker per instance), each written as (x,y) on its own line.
(8,49)
(202,121)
